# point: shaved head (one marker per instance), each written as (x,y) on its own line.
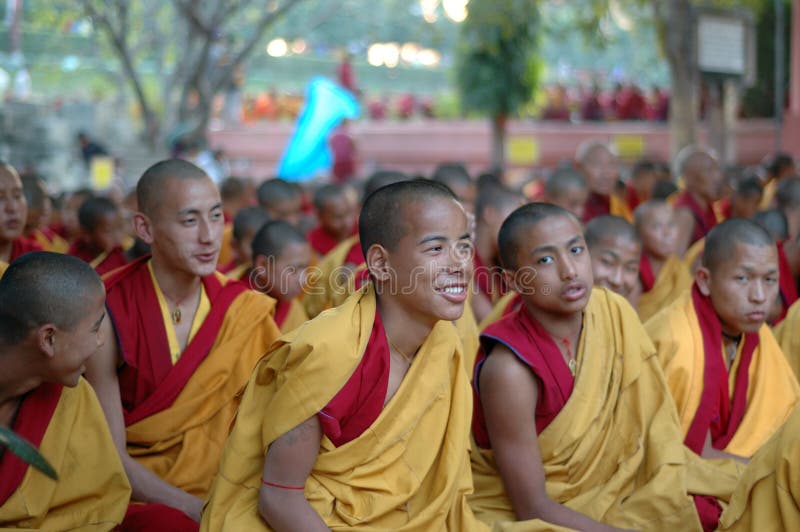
(723,237)
(496,196)
(42,287)
(525,217)
(563,180)
(381,178)
(644,209)
(689,158)
(248,220)
(274,191)
(774,222)
(150,188)
(383,216)
(272,238)
(602,228)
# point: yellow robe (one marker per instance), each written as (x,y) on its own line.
(3,268)
(295,317)
(408,471)
(182,444)
(92,491)
(328,280)
(693,255)
(788,336)
(617,206)
(768,495)
(56,245)
(772,392)
(673,279)
(614,452)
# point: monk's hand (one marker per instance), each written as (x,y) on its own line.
(192,506)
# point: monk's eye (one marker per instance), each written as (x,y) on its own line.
(576,250)
(545,260)
(433,249)
(216,215)
(740,278)
(772,280)
(188,222)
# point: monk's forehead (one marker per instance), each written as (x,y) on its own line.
(183,193)
(9,178)
(741,254)
(619,243)
(550,229)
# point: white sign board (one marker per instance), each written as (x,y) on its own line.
(722,44)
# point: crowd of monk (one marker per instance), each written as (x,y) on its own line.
(406,353)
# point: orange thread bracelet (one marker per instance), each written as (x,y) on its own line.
(281,486)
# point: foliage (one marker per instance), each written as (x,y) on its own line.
(27,452)
(495,57)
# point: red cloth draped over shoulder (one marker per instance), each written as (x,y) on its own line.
(355,255)
(596,205)
(533,346)
(716,411)
(149,382)
(142,517)
(82,250)
(788,286)
(646,275)
(23,245)
(360,401)
(321,241)
(31,422)
(704,218)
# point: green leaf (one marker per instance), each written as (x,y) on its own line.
(27,452)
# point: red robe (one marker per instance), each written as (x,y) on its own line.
(704,218)
(84,251)
(788,286)
(23,245)
(321,241)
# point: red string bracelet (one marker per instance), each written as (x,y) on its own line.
(281,486)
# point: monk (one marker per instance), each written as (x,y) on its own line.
(780,167)
(786,335)
(616,251)
(281,256)
(566,187)
(601,167)
(768,495)
(40,207)
(51,308)
(236,194)
(495,202)
(102,233)
(336,207)
(246,224)
(663,276)
(559,385)
(745,199)
(13,214)
(359,419)
(639,189)
(281,200)
(68,227)
(456,177)
(787,199)
(732,385)
(181,343)
(694,206)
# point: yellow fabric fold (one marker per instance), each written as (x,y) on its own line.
(617,206)
(408,471)
(327,285)
(92,491)
(295,317)
(57,244)
(772,392)
(498,310)
(787,333)
(614,452)
(768,495)
(673,279)
(183,444)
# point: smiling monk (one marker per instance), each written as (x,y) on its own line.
(360,418)
(181,343)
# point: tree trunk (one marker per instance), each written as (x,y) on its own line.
(498,144)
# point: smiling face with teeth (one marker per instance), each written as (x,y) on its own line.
(427,272)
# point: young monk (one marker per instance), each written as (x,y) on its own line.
(51,308)
(359,419)
(456,177)
(732,385)
(100,241)
(183,343)
(601,167)
(246,224)
(281,256)
(639,189)
(567,188)
(779,168)
(281,200)
(663,276)
(13,213)
(616,251)
(745,199)
(573,425)
(40,207)
(495,202)
(767,496)
(236,195)
(694,206)
(788,201)
(336,212)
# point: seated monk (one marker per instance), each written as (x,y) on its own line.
(745,199)
(494,203)
(101,236)
(281,200)
(183,343)
(788,338)
(13,216)
(729,379)
(615,250)
(573,425)
(246,224)
(281,256)
(456,177)
(774,222)
(644,176)
(567,188)
(694,206)
(359,419)
(336,206)
(51,308)
(40,209)
(601,167)
(327,282)
(768,494)
(663,276)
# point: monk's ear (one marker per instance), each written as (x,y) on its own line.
(703,278)
(45,337)
(377,259)
(143,227)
